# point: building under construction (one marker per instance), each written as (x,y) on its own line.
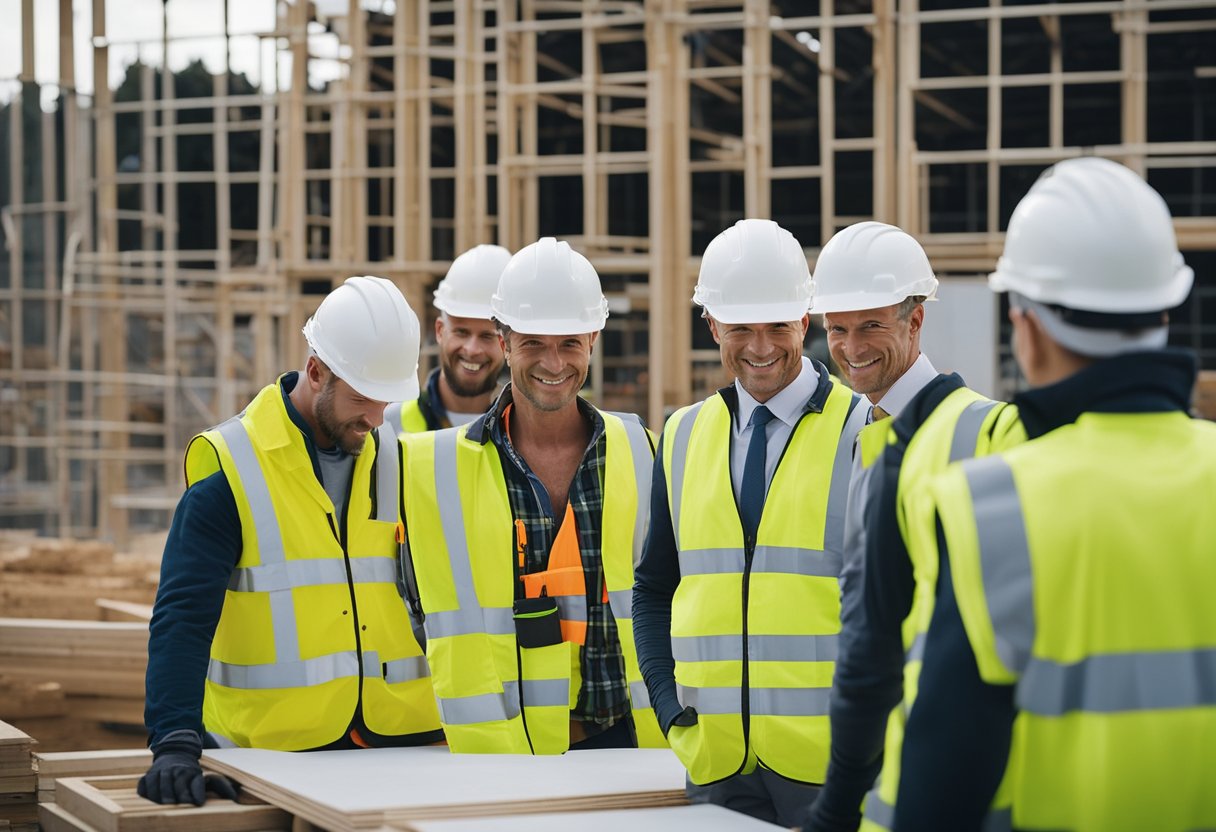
(167,233)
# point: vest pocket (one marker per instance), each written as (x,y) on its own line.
(537,623)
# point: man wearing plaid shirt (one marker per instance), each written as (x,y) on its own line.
(522,529)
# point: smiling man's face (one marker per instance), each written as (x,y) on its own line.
(763,357)
(874,347)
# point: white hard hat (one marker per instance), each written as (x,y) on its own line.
(870,265)
(366,333)
(1093,236)
(466,289)
(754,273)
(548,288)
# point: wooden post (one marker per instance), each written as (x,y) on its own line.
(111,472)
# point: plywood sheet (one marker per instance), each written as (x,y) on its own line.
(701,818)
(368,788)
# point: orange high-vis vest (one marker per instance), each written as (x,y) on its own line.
(564,579)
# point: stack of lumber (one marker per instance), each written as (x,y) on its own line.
(58,578)
(111,804)
(57,765)
(99,666)
(18,783)
(374,788)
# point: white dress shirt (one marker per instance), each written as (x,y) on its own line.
(907,386)
(787,406)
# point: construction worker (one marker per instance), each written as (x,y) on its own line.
(278,623)
(737,603)
(871,280)
(462,387)
(523,528)
(1072,649)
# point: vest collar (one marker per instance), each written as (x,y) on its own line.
(814,404)
(1156,381)
(489,427)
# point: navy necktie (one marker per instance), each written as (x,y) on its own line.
(751,495)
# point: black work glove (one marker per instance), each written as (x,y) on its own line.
(685,719)
(176,775)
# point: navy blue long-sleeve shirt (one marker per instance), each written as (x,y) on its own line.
(655,580)
(958,737)
(869,667)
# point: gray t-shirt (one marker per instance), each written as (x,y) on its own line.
(337,466)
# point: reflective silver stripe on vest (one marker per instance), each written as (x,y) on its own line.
(277,577)
(572,607)
(468,616)
(679,459)
(392,416)
(762,701)
(388,474)
(878,811)
(315,671)
(406,670)
(298,674)
(760,648)
(639,695)
(785,560)
(621,602)
(495,621)
(916,653)
(643,468)
(495,707)
(1004,558)
(1120,683)
(967,429)
(269,537)
(483,707)
(838,488)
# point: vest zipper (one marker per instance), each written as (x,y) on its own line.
(342,538)
(749,550)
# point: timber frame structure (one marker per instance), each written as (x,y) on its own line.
(635,129)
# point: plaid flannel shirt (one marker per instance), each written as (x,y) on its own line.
(603,699)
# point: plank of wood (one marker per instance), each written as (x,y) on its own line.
(87,764)
(703,818)
(10,735)
(54,819)
(124,610)
(111,804)
(347,790)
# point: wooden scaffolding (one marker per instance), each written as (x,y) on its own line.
(635,129)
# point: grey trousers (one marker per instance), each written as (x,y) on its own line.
(761,794)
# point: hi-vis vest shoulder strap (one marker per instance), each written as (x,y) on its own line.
(307,684)
(406,417)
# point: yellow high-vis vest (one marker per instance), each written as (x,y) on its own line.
(754,625)
(495,696)
(406,417)
(1083,563)
(311,627)
(963,425)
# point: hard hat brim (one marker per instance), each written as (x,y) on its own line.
(481,312)
(568,326)
(1059,293)
(759,313)
(856,302)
